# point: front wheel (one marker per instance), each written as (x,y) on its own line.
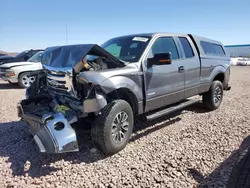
(113,128)
(25,80)
(213,98)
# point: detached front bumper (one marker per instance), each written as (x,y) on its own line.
(52,132)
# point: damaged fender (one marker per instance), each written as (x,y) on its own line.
(118,82)
(110,80)
(95,104)
(107,83)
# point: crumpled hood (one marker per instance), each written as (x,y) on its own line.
(70,55)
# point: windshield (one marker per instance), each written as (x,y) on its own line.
(21,54)
(37,57)
(128,49)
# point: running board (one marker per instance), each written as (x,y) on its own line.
(171,109)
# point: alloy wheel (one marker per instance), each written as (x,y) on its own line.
(120,127)
(217,95)
(27,80)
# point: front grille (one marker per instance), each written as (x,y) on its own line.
(55,83)
(59,80)
(3,69)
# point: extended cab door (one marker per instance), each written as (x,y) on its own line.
(164,84)
(191,64)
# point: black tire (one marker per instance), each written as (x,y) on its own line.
(209,100)
(240,175)
(20,79)
(101,131)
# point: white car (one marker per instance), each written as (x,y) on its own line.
(18,72)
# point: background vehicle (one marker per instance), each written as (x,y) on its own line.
(243,62)
(126,76)
(22,56)
(19,72)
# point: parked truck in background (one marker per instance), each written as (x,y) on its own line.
(20,57)
(19,72)
(112,83)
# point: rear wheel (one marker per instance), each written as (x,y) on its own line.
(25,80)
(113,128)
(213,98)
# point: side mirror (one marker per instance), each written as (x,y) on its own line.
(160,59)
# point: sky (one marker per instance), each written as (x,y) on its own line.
(26,24)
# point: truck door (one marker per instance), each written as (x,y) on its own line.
(191,65)
(164,84)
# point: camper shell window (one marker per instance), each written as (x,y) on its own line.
(211,48)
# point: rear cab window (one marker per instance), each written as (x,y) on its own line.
(188,51)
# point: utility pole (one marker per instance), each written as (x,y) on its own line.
(66,34)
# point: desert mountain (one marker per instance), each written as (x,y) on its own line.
(8,53)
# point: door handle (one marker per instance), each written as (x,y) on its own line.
(181,69)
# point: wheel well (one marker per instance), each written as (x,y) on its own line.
(124,94)
(22,73)
(219,77)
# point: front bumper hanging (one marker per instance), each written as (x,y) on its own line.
(52,132)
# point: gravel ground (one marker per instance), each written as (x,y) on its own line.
(191,148)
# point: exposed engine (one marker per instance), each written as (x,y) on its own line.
(57,90)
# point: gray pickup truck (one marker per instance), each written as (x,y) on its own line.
(110,84)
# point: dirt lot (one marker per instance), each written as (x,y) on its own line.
(194,147)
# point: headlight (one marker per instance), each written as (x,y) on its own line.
(9,72)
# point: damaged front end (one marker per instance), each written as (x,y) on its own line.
(50,123)
(57,99)
(52,132)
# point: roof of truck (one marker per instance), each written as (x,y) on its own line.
(147,34)
(196,37)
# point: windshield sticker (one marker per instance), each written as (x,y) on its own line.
(141,39)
